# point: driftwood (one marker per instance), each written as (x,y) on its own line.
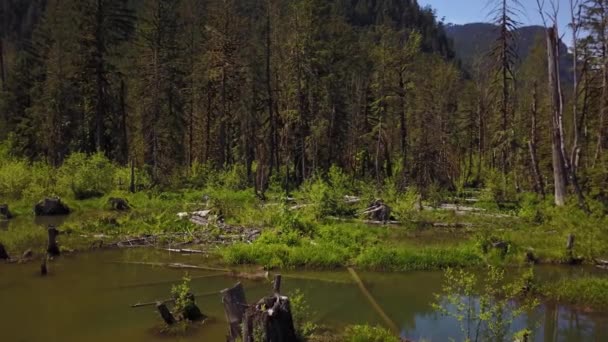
(235,305)
(184,251)
(4,212)
(52,248)
(3,253)
(51,207)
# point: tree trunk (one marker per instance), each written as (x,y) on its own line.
(2,71)
(164,312)
(403,127)
(559,163)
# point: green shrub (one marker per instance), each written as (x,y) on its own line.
(399,259)
(15,177)
(588,291)
(86,177)
(367,333)
(302,315)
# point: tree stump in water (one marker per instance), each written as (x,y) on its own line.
(270,320)
(165,314)
(43,268)
(52,248)
(3,253)
(4,212)
(191,310)
(235,305)
(51,207)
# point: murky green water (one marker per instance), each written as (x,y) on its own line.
(87,297)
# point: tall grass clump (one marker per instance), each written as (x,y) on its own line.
(591,291)
(368,333)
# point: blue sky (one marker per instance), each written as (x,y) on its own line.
(468,11)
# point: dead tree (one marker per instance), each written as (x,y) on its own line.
(558,150)
(52,248)
(533,143)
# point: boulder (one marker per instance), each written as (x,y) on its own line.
(4,212)
(51,206)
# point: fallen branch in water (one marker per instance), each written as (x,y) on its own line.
(170,300)
(175,265)
(185,251)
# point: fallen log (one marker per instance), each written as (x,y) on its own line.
(378,211)
(185,251)
(171,300)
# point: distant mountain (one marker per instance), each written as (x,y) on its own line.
(477,39)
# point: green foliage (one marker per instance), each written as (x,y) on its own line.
(488,313)
(86,177)
(367,333)
(182,295)
(401,259)
(302,315)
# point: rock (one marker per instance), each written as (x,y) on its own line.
(51,207)
(119,204)
(4,212)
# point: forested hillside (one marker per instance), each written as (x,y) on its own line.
(283,90)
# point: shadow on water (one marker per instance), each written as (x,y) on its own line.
(88,298)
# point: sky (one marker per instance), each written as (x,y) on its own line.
(470,11)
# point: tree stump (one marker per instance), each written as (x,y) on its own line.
(52,248)
(119,204)
(270,320)
(43,268)
(4,212)
(51,207)
(3,254)
(165,314)
(27,254)
(235,305)
(191,310)
(378,211)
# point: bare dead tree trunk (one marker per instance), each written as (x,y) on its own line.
(2,71)
(603,101)
(533,143)
(559,162)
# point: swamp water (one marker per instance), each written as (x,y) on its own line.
(88,297)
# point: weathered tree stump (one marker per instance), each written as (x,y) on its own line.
(165,314)
(3,253)
(276,284)
(378,211)
(271,320)
(4,212)
(52,248)
(235,305)
(119,204)
(51,207)
(191,310)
